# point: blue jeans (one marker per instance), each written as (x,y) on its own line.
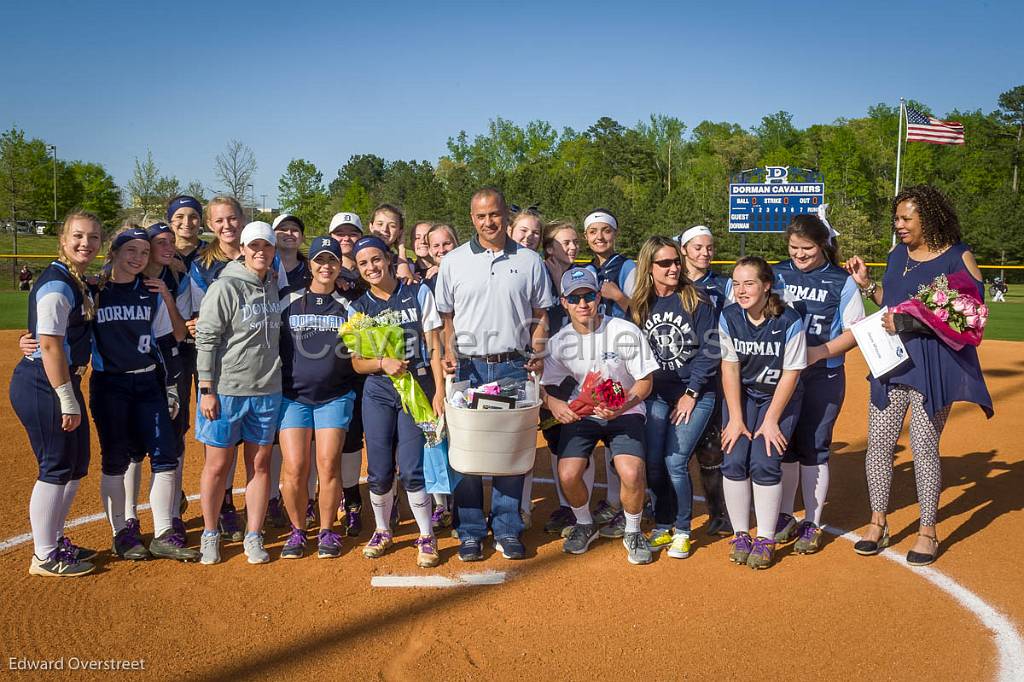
(506,491)
(669,448)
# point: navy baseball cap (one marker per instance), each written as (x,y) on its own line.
(575,279)
(324,245)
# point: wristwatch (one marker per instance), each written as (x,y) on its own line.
(692,393)
(205,390)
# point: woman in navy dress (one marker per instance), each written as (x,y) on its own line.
(935,376)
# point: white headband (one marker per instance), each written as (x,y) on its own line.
(600,217)
(832,234)
(695,231)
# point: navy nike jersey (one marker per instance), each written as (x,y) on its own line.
(415,303)
(763,351)
(715,286)
(180,287)
(300,275)
(192,256)
(55,308)
(621,271)
(316,367)
(828,299)
(132,330)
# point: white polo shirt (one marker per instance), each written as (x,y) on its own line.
(493,295)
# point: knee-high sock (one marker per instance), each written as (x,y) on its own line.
(311,481)
(46,515)
(790,483)
(382,509)
(70,490)
(419,501)
(132,485)
(441,500)
(767,499)
(112,493)
(737,502)
(562,502)
(526,504)
(276,462)
(613,495)
(814,481)
(162,501)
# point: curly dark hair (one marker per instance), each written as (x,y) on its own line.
(939,222)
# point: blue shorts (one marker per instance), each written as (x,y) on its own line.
(252,419)
(335,414)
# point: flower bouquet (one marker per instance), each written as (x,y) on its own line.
(596,391)
(950,307)
(382,336)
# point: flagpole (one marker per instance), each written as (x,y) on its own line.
(899,155)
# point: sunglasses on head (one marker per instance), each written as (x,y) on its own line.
(588,297)
(667,262)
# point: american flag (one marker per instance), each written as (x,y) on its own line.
(921,128)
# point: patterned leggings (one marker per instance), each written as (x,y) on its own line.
(884,428)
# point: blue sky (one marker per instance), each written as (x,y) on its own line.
(325,80)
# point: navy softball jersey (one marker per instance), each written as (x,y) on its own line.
(829,299)
(763,351)
(55,308)
(316,367)
(131,328)
(714,285)
(300,275)
(415,304)
(685,345)
(621,271)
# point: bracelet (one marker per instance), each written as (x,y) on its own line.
(380,364)
(869,290)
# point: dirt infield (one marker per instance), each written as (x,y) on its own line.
(834,615)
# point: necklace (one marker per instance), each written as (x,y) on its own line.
(908,267)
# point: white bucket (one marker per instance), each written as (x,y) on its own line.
(492,442)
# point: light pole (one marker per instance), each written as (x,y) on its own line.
(263,203)
(53,150)
(252,191)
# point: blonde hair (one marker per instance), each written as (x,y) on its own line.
(447,228)
(551,229)
(643,295)
(213,253)
(88,308)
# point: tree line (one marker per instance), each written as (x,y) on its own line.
(658,176)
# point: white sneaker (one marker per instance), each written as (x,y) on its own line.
(253,547)
(209,549)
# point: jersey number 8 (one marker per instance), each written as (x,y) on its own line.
(144,344)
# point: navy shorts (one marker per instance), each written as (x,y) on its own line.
(824,392)
(750,459)
(63,456)
(625,435)
(131,416)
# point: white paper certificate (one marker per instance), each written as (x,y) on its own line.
(882,351)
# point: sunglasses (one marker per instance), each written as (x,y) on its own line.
(667,262)
(588,297)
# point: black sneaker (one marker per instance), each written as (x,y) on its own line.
(127,546)
(171,546)
(76,552)
(295,545)
(510,548)
(471,550)
(59,564)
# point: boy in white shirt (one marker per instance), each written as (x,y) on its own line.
(616,347)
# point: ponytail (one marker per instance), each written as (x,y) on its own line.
(774,307)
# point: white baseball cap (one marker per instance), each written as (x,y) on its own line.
(258,230)
(288,216)
(344,218)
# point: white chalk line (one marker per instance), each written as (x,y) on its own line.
(440,581)
(1008,642)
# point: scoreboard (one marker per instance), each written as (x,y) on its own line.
(769,205)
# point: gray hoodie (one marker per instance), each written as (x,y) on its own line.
(238,333)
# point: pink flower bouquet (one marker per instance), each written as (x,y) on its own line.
(950,307)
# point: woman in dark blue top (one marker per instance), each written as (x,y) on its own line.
(46,395)
(682,328)
(935,376)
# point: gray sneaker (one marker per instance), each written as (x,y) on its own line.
(616,528)
(209,549)
(580,537)
(605,512)
(637,549)
(253,547)
(170,546)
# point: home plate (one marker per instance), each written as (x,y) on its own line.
(439,581)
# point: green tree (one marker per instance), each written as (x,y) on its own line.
(1011,111)
(100,194)
(302,193)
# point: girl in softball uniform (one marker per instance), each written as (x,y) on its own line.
(317,379)
(390,431)
(828,298)
(133,396)
(46,395)
(763,351)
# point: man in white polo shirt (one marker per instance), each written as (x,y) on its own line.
(492,295)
